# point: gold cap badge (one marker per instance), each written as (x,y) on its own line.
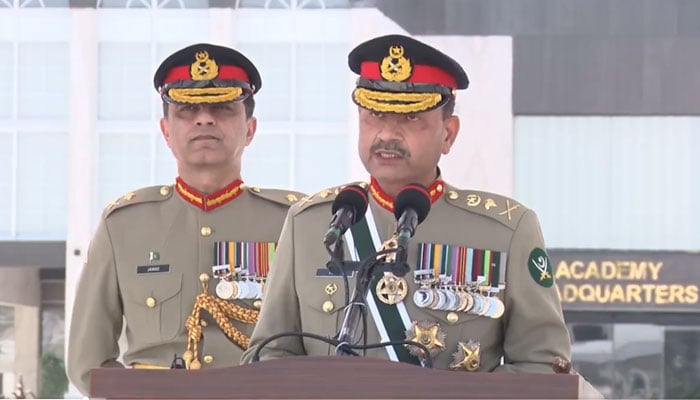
(204,68)
(395,67)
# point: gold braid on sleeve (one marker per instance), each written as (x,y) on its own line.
(222,311)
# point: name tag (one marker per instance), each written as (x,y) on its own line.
(152,269)
(325,273)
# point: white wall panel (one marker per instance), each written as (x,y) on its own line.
(611,182)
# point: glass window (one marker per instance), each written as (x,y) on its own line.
(320,161)
(273,61)
(264,3)
(44,3)
(7,68)
(54,382)
(125,81)
(682,363)
(124,164)
(324,3)
(43,80)
(183,3)
(53,329)
(620,360)
(6,176)
(266,162)
(123,3)
(42,193)
(322,92)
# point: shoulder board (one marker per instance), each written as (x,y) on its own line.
(322,197)
(500,208)
(143,195)
(284,197)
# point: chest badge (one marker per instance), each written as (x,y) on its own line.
(391,289)
(429,335)
(467,357)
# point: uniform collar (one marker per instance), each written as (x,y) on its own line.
(436,189)
(211,201)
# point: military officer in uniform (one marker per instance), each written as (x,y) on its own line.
(480,293)
(183,265)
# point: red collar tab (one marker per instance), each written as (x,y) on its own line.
(435,190)
(212,201)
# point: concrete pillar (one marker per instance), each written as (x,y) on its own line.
(28,347)
(82,143)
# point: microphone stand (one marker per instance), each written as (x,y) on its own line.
(356,308)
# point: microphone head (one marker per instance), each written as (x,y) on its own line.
(414,196)
(354,197)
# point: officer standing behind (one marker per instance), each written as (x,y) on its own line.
(480,289)
(159,253)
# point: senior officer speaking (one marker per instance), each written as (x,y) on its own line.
(479,295)
(183,265)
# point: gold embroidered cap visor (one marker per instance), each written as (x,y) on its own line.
(212,91)
(399,97)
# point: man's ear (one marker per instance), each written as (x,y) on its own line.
(252,128)
(165,130)
(451,131)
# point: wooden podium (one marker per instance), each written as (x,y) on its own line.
(330,377)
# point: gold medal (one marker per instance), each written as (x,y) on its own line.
(429,335)
(391,289)
(467,357)
(466,302)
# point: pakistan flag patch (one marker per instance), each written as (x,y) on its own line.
(540,267)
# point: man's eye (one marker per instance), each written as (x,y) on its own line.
(412,117)
(376,114)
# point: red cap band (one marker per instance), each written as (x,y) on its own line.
(182,73)
(421,74)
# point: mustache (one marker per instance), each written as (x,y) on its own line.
(390,146)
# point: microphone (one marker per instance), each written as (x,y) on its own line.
(411,206)
(349,207)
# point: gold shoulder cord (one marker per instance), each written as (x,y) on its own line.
(222,311)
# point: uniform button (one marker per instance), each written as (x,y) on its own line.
(208,359)
(452,317)
(205,231)
(453,195)
(164,190)
(150,302)
(256,189)
(328,306)
(203,323)
(257,304)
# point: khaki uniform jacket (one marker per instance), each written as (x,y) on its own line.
(155,305)
(528,336)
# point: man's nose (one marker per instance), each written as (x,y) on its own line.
(205,117)
(391,129)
